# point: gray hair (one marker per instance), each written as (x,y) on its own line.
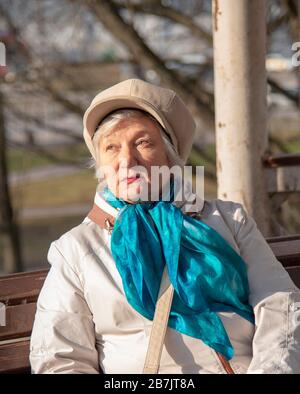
(106,126)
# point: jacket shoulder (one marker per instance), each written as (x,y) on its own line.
(231,212)
(226,208)
(76,243)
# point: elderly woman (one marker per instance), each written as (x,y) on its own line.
(234,306)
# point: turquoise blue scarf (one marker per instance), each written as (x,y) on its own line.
(207,274)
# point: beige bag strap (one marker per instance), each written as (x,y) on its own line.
(159,326)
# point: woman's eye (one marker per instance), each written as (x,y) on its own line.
(110,147)
(143,142)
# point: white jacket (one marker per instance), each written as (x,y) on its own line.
(84,323)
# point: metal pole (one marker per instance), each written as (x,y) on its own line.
(239,31)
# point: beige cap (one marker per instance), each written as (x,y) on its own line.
(163,104)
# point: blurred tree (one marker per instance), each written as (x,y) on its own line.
(8,224)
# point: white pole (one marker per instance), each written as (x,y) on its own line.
(239,30)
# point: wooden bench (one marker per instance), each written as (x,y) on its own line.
(19,292)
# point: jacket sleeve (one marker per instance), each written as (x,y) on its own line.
(275,299)
(63,335)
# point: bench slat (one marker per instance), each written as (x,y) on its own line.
(14,358)
(19,321)
(294,273)
(287,252)
(23,287)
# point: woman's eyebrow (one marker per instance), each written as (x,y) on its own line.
(109,137)
(142,132)
(112,137)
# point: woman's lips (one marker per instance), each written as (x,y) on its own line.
(131,180)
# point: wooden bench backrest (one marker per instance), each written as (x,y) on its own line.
(19,292)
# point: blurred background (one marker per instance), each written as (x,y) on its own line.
(60,53)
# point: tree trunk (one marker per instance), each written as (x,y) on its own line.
(8,226)
(239,29)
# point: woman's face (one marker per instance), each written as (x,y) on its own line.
(132,142)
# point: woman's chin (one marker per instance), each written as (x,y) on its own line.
(134,192)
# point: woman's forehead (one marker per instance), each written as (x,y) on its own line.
(130,128)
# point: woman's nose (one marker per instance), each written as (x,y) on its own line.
(127,157)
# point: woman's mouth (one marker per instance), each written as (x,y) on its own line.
(131,179)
